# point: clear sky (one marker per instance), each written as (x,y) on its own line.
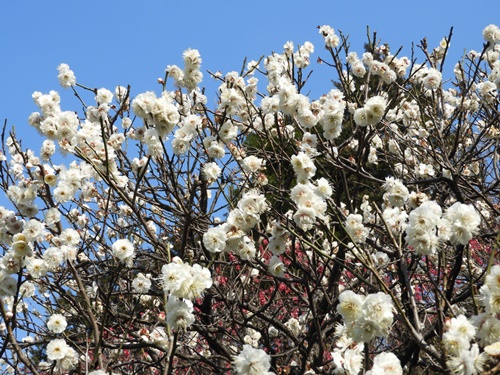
(109,43)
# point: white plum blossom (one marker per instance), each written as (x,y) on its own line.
(179,313)
(355,228)
(57,323)
(303,166)
(141,283)
(469,361)
(366,317)
(387,364)
(66,76)
(464,221)
(185,281)
(350,305)
(215,239)
(397,193)
(57,349)
(432,79)
(331,39)
(375,109)
(276,266)
(251,361)
(252,164)
(211,172)
(124,251)
(491,33)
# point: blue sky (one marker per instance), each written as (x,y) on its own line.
(110,43)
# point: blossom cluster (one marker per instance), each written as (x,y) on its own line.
(366,317)
(252,361)
(232,235)
(428,228)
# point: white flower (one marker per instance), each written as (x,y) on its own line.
(348,361)
(176,73)
(294,326)
(469,362)
(303,166)
(243,246)
(28,339)
(142,103)
(395,219)
(381,259)
(432,79)
(276,266)
(425,170)
(422,241)
(22,249)
(104,96)
(211,172)
(141,283)
(215,239)
(216,150)
(493,278)
(33,230)
(123,250)
(252,361)
(350,305)
(36,267)
(57,323)
(252,164)
(488,328)
(179,313)
(66,76)
(454,342)
(63,193)
(365,330)
(120,93)
(52,216)
(238,220)
(491,33)
(228,132)
(375,109)
(173,275)
(57,349)
(493,349)
(184,281)
(464,220)
(159,337)
(331,40)
(378,307)
(27,289)
(192,57)
(69,237)
(69,361)
(461,326)
(98,372)
(8,286)
(53,257)
(387,364)
(355,228)
(397,192)
(305,218)
(425,217)
(180,146)
(253,203)
(252,337)
(361,117)
(323,188)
